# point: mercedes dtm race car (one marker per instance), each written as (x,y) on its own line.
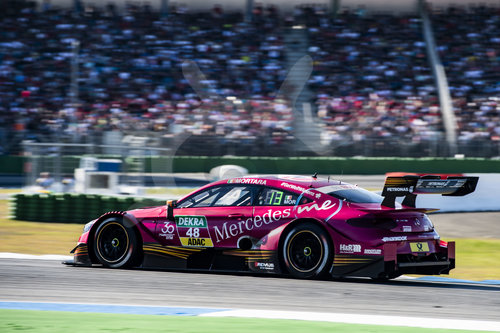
(301,226)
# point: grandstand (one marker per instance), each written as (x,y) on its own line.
(128,74)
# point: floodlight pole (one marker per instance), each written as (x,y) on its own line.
(249,11)
(334,8)
(445,101)
(74,73)
(164,8)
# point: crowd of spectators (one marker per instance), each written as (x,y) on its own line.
(372,79)
(132,70)
(468,40)
(137,73)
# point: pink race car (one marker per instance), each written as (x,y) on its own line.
(301,226)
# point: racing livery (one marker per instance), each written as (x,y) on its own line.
(301,226)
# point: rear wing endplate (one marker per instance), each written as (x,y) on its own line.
(409,186)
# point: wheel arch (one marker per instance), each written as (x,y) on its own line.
(119,215)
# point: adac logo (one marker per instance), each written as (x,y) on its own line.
(196,221)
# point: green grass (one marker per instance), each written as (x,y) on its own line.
(36,237)
(10,190)
(62,322)
(477,259)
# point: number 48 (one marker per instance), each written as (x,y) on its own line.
(193,232)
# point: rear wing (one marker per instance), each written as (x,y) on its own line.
(410,186)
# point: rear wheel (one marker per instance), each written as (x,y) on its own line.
(306,251)
(115,243)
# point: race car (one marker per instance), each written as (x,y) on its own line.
(302,226)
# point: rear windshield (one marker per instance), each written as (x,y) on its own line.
(351,193)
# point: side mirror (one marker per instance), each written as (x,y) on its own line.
(171,204)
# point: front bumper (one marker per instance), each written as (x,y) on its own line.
(81,255)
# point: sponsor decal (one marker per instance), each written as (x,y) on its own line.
(373,251)
(229,230)
(167,230)
(400,189)
(326,205)
(251,181)
(289,200)
(395,239)
(434,183)
(350,248)
(191,221)
(407,228)
(448,183)
(265,265)
(205,242)
(193,230)
(317,195)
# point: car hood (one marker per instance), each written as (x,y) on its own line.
(147,212)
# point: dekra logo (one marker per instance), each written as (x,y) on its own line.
(191,221)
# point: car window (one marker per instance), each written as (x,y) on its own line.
(351,193)
(276,197)
(236,196)
(357,196)
(203,199)
(220,196)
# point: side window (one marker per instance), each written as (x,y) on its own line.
(275,197)
(220,196)
(236,196)
(202,199)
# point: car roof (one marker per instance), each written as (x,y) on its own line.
(277,180)
(294,183)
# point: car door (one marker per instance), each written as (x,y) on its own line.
(213,217)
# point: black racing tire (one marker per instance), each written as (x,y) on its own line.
(115,243)
(307,251)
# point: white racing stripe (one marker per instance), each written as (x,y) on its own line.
(420,322)
(8,255)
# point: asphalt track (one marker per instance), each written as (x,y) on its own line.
(50,281)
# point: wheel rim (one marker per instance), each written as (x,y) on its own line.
(305,251)
(113,242)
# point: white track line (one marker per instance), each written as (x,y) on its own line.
(8,255)
(420,322)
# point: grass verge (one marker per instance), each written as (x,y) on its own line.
(62,322)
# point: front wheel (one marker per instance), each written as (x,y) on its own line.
(115,243)
(306,251)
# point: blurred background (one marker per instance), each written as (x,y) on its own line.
(135,81)
(114,105)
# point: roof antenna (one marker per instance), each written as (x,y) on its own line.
(315,177)
(328,178)
(341,175)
